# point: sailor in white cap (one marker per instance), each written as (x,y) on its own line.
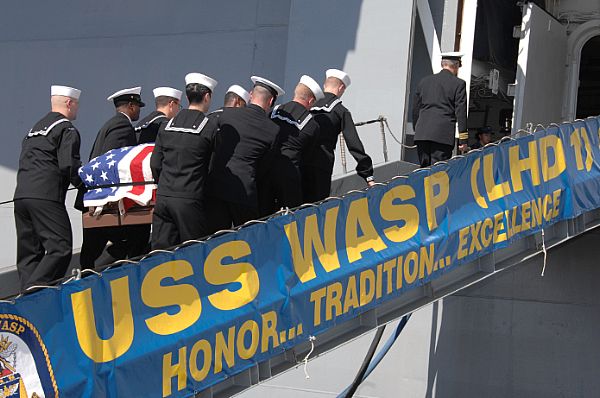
(245,147)
(179,164)
(297,137)
(117,132)
(439,104)
(236,97)
(49,162)
(168,103)
(333,117)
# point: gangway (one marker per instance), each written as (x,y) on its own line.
(510,202)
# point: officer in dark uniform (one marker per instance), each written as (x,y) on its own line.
(179,163)
(333,117)
(245,146)
(297,137)
(440,102)
(117,132)
(167,101)
(49,162)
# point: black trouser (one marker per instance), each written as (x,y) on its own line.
(316,184)
(176,220)
(44,241)
(135,243)
(431,152)
(283,188)
(223,214)
(95,240)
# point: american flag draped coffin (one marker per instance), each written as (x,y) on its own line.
(120,187)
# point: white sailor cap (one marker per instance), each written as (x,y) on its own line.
(65,91)
(199,78)
(313,86)
(269,85)
(452,55)
(340,74)
(239,90)
(167,92)
(127,95)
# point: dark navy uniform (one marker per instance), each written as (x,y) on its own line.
(245,146)
(147,129)
(179,165)
(49,162)
(117,132)
(297,139)
(333,117)
(440,102)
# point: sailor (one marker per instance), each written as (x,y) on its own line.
(49,162)
(333,117)
(440,103)
(236,97)
(117,132)
(179,165)
(168,103)
(297,137)
(484,137)
(245,147)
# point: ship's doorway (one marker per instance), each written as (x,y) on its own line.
(588,93)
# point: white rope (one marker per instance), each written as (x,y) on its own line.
(545,252)
(312,348)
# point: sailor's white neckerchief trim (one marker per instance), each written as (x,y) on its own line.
(184,130)
(45,131)
(326,108)
(300,126)
(149,122)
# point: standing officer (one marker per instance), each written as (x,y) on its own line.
(167,102)
(333,118)
(440,102)
(244,149)
(49,162)
(117,132)
(179,163)
(297,136)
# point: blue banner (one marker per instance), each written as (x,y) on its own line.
(178,322)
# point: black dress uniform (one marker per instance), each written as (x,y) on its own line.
(440,102)
(49,162)
(147,129)
(245,146)
(117,132)
(179,163)
(297,139)
(333,117)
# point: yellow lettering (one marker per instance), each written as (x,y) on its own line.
(426,259)
(183,296)
(499,226)
(302,255)
(171,370)
(217,273)
(411,273)
(358,217)
(367,286)
(556,201)
(518,166)
(333,300)
(224,349)
(351,296)
(433,201)
(251,327)
(269,331)
(555,144)
(204,346)
(495,191)
(97,349)
(317,298)
(462,241)
(400,212)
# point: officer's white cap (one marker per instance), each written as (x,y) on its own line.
(199,78)
(313,86)
(453,55)
(274,88)
(239,90)
(65,91)
(134,91)
(167,92)
(340,74)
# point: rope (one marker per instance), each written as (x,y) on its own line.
(545,252)
(312,348)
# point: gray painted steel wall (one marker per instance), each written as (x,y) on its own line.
(516,334)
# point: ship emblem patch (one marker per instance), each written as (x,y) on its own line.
(25,369)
